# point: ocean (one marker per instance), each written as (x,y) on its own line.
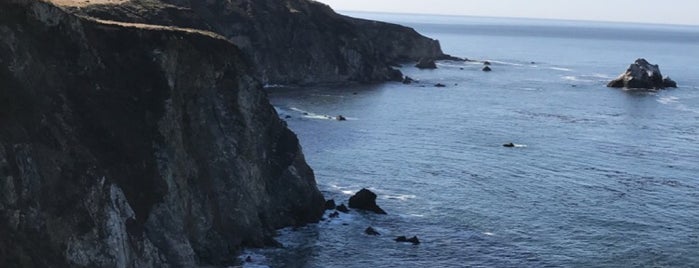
(602,177)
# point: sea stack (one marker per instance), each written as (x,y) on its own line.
(642,75)
(426,63)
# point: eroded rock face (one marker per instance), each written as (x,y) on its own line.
(290,41)
(642,75)
(126,145)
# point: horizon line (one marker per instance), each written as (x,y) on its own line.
(525,18)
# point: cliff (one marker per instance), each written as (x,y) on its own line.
(137,145)
(289,41)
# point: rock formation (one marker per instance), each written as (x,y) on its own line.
(290,41)
(402,239)
(426,63)
(371,231)
(137,145)
(642,75)
(365,200)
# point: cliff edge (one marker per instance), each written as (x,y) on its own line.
(137,145)
(289,41)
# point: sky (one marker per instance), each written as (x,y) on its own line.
(643,11)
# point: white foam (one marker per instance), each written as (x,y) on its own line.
(571,78)
(348,192)
(561,69)
(401,197)
(520,146)
(506,63)
(668,100)
(489,234)
(310,115)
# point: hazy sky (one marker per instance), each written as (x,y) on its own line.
(647,11)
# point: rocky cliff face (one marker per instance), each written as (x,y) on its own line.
(134,145)
(290,41)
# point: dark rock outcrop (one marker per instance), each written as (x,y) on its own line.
(290,41)
(408,80)
(426,63)
(330,204)
(440,85)
(642,75)
(342,208)
(402,239)
(487,69)
(131,145)
(340,118)
(365,200)
(370,231)
(509,145)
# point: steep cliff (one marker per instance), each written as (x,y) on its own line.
(135,145)
(290,41)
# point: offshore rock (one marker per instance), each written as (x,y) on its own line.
(342,208)
(402,239)
(408,80)
(330,204)
(426,63)
(292,41)
(365,200)
(371,231)
(642,75)
(487,69)
(137,145)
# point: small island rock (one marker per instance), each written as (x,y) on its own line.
(370,231)
(330,204)
(642,75)
(342,208)
(426,63)
(365,200)
(404,239)
(487,69)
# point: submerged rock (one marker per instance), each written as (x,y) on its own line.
(365,200)
(486,63)
(370,231)
(642,75)
(510,145)
(342,208)
(440,85)
(402,239)
(340,118)
(426,63)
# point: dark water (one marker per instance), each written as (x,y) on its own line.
(605,178)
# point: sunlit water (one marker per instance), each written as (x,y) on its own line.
(605,177)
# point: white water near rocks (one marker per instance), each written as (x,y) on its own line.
(608,178)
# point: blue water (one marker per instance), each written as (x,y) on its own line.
(605,177)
